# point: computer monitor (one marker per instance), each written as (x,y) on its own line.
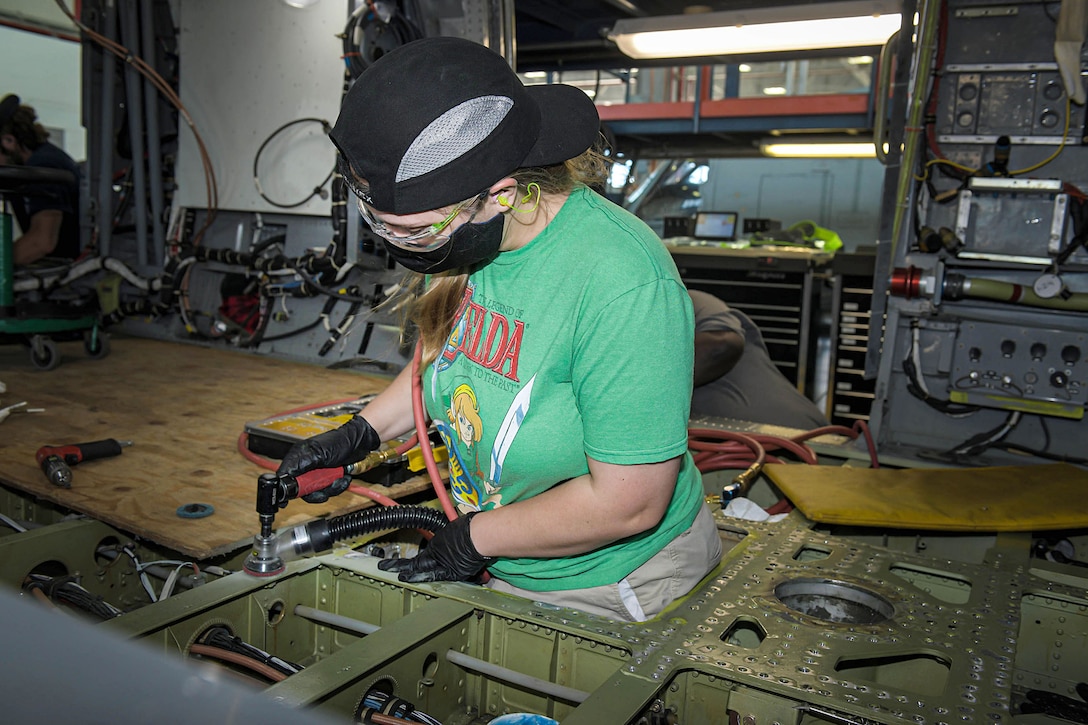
(716,225)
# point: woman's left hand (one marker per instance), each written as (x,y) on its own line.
(450,556)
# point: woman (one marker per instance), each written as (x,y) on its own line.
(558,314)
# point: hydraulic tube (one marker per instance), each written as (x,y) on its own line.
(912,282)
(957,286)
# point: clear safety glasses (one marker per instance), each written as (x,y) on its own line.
(425,240)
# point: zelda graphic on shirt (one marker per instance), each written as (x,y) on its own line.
(463,428)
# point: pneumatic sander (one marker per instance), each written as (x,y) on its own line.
(275,490)
(273,493)
(270,551)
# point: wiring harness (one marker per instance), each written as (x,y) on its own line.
(378,706)
(67,590)
(220,643)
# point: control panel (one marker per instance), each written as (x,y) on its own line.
(1031,370)
(983,352)
(1025,101)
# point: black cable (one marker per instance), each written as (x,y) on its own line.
(292,333)
(266,243)
(317,191)
(945,406)
(1017,448)
(337,332)
(349,50)
(1078,215)
(988,439)
(264,310)
(125,202)
(313,283)
(316,265)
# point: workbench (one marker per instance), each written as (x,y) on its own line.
(184,407)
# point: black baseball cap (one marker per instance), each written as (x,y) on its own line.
(437,120)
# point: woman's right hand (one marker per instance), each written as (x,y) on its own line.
(338,447)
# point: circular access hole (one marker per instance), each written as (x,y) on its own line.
(276,613)
(834,601)
(107,551)
(51,569)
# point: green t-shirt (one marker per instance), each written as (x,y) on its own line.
(578,344)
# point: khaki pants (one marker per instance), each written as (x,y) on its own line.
(644,593)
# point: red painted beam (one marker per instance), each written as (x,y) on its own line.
(646,111)
(814,105)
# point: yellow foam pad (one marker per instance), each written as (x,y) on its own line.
(999,498)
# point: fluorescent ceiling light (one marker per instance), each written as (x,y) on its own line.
(760,30)
(858,150)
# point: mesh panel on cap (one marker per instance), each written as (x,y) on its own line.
(452,134)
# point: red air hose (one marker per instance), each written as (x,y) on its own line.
(424,439)
(714,450)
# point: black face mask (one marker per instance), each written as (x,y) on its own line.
(469,246)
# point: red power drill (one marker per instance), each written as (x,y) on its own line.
(57,461)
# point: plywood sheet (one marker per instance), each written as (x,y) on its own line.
(184,407)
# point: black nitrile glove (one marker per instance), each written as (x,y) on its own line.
(450,556)
(338,447)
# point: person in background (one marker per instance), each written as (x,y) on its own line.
(48,217)
(556,338)
(734,375)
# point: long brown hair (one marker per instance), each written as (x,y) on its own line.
(430,310)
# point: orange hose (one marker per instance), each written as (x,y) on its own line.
(41,597)
(238,659)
